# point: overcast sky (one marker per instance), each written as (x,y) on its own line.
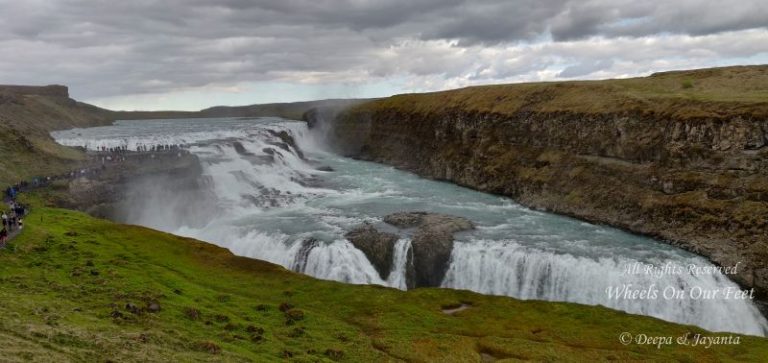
(191,54)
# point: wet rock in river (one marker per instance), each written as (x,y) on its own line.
(432,242)
(377,246)
(431,245)
(240,149)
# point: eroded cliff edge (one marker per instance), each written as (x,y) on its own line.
(682,156)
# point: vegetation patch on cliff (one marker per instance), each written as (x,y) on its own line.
(713,92)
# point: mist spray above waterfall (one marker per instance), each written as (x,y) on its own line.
(266,190)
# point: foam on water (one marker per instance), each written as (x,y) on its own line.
(507,268)
(276,206)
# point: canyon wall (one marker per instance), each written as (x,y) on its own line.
(692,173)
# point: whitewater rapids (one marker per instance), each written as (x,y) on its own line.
(261,199)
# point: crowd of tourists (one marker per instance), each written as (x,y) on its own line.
(13,212)
(13,216)
(140,148)
(121,153)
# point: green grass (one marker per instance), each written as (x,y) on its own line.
(25,157)
(66,280)
(25,144)
(740,91)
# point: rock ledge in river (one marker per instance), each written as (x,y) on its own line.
(377,246)
(432,243)
(432,221)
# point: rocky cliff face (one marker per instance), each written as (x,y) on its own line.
(698,182)
(104,192)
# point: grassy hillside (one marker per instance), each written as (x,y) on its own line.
(74,288)
(712,92)
(25,122)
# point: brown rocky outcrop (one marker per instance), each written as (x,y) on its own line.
(101,192)
(431,245)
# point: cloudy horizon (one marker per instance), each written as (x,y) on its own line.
(188,55)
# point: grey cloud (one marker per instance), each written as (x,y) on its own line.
(113,48)
(641,18)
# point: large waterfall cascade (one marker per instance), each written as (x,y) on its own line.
(261,199)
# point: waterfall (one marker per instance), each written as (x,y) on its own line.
(509,269)
(302,256)
(398,276)
(260,198)
(341,261)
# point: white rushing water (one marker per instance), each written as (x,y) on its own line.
(397,277)
(260,199)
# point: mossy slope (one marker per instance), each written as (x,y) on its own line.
(67,280)
(711,92)
(26,147)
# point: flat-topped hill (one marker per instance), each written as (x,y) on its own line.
(713,92)
(50,90)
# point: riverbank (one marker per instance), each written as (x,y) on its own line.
(74,287)
(266,192)
(685,165)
